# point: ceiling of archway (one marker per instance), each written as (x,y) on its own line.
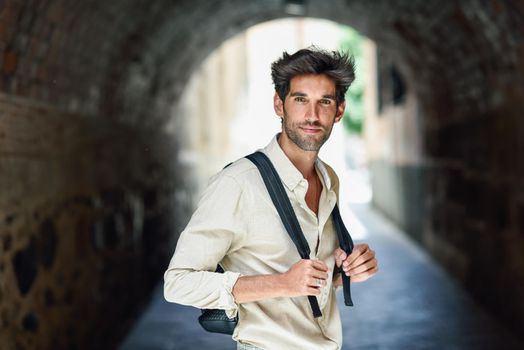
(131,59)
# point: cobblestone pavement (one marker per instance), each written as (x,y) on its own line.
(410,304)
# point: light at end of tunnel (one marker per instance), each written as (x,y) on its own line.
(357,230)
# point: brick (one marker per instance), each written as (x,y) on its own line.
(9,62)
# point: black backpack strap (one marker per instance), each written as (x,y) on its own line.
(285,210)
(346,244)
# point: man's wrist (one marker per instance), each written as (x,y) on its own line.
(281,284)
(253,288)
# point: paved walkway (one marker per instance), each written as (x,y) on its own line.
(410,304)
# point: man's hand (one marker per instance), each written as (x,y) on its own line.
(305,278)
(359,265)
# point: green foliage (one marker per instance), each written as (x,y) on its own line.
(353,120)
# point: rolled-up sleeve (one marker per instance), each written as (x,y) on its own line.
(216,227)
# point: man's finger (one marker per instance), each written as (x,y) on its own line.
(361,277)
(368,255)
(319,275)
(313,291)
(339,252)
(316,282)
(358,250)
(368,265)
(319,265)
(340,256)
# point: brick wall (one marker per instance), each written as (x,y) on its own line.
(464,63)
(82,202)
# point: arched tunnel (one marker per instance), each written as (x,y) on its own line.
(93,192)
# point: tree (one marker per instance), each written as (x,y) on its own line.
(353,120)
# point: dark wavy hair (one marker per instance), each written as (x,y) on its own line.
(339,66)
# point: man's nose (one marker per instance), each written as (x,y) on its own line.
(313,113)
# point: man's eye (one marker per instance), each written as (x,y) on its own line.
(300,99)
(325,102)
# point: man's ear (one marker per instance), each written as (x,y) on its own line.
(278,105)
(340,111)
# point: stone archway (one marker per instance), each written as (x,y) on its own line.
(89,181)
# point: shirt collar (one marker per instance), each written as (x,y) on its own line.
(289,174)
(324,172)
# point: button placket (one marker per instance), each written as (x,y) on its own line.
(300,196)
(324,214)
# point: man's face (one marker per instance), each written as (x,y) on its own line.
(309,111)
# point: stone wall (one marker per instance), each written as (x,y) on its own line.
(71,222)
(393,135)
(463,69)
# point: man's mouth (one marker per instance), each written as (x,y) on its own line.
(311,130)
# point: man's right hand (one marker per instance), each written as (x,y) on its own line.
(305,278)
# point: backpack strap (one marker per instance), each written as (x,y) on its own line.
(285,210)
(289,219)
(346,244)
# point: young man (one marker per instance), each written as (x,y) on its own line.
(236,224)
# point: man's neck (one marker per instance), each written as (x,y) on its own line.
(304,161)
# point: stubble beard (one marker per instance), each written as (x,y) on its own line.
(308,143)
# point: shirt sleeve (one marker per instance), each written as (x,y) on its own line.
(216,227)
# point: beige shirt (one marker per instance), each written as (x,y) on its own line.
(237,225)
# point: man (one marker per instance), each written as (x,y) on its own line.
(236,224)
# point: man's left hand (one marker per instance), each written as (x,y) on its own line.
(360,265)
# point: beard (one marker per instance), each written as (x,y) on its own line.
(310,143)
